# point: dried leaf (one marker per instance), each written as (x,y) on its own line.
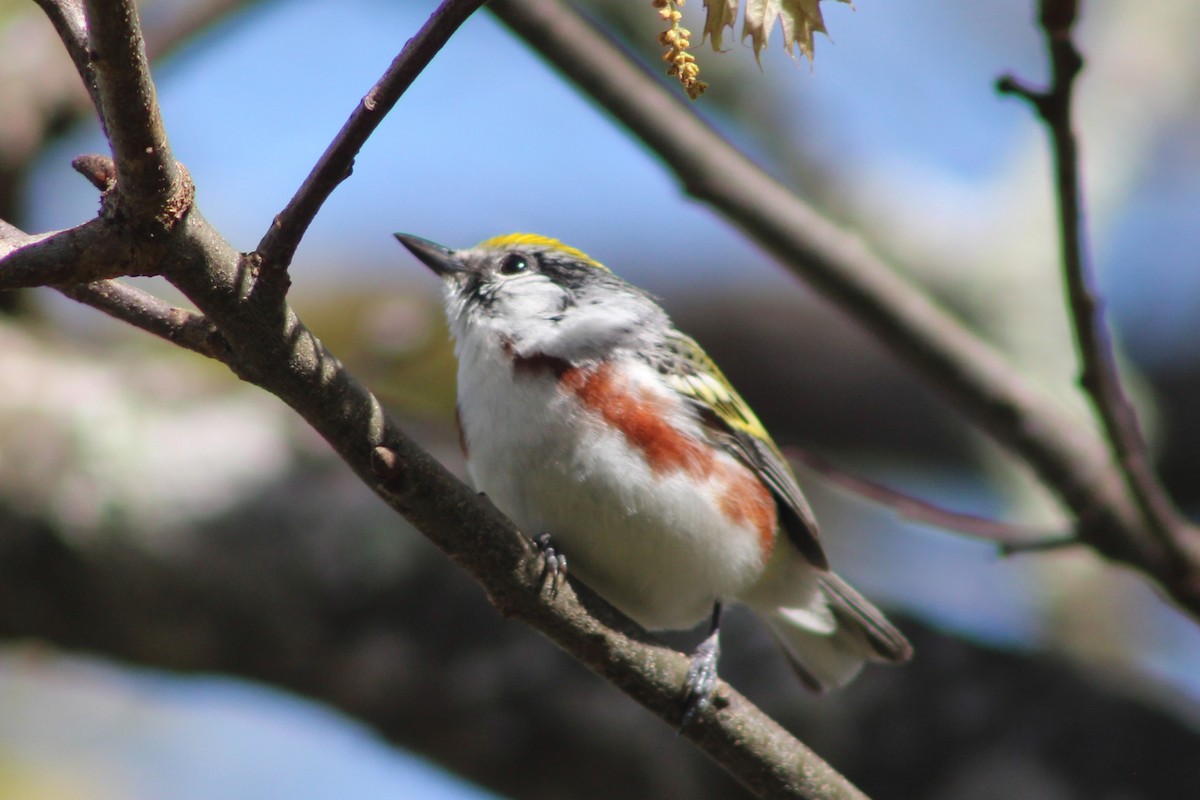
(800,19)
(719,15)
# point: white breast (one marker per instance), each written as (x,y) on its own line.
(655,544)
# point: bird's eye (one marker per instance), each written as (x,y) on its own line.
(514,265)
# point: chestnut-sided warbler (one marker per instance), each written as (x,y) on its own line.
(588,418)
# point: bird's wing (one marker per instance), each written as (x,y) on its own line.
(694,375)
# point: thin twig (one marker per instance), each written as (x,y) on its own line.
(975,377)
(151,187)
(1099,375)
(1010,537)
(143,310)
(278,246)
(99,169)
(68,20)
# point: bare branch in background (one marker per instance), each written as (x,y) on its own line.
(1099,376)
(32,119)
(1009,537)
(188,20)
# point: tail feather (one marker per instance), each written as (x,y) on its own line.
(853,610)
(829,656)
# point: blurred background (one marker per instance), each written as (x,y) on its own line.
(198,600)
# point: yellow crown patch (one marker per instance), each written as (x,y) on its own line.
(535,240)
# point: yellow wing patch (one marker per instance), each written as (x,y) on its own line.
(710,387)
(534,240)
(718,396)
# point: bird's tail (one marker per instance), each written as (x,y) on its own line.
(828,646)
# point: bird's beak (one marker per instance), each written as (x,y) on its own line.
(439,259)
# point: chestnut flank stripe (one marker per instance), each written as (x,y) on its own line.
(642,419)
(745,500)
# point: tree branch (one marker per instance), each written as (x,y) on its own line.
(150,186)
(1099,376)
(269,346)
(279,244)
(77,255)
(970,373)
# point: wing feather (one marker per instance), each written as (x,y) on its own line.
(694,375)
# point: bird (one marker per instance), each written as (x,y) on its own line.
(613,440)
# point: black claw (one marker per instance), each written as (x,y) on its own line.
(554,564)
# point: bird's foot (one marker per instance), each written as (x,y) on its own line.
(701,682)
(554,563)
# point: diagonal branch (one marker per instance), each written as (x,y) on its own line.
(979,381)
(275,351)
(1099,375)
(279,244)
